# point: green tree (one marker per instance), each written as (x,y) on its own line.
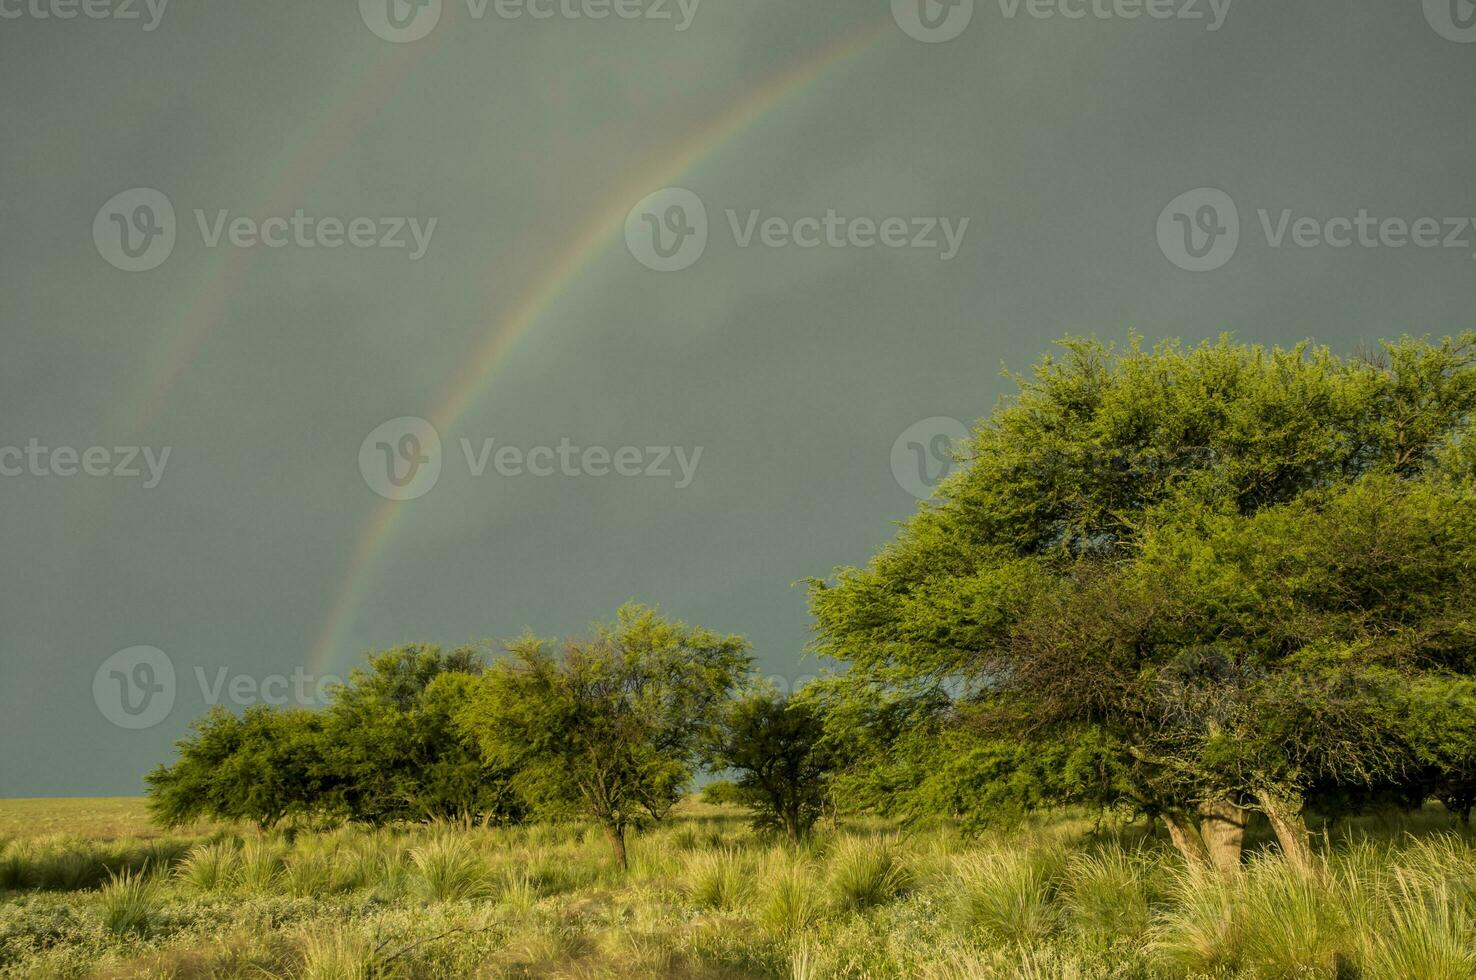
(611,728)
(1218,565)
(260,766)
(921,758)
(387,747)
(394,751)
(775,746)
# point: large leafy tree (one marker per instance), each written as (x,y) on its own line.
(1233,574)
(260,766)
(386,748)
(611,728)
(392,748)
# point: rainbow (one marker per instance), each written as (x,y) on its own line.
(607,225)
(335,135)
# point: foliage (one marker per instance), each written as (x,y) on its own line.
(393,748)
(775,746)
(385,748)
(1220,572)
(611,727)
(721,792)
(260,766)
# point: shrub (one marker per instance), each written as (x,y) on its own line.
(723,792)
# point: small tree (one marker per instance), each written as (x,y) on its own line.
(774,744)
(611,728)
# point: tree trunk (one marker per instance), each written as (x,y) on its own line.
(617,842)
(1285,814)
(1187,840)
(1222,827)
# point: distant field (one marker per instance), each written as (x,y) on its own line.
(101,818)
(89,889)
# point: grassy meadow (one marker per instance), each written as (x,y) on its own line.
(88,888)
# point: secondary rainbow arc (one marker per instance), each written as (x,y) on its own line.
(544,292)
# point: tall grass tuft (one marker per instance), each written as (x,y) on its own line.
(1426,933)
(309,875)
(1201,930)
(375,862)
(15,866)
(792,903)
(866,872)
(450,871)
(1008,896)
(67,870)
(1291,924)
(804,963)
(1106,894)
(337,955)
(209,867)
(719,879)
(130,902)
(260,865)
(517,891)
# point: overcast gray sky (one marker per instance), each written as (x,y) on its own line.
(1102,163)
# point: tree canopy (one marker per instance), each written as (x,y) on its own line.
(612,727)
(1237,569)
(385,748)
(776,746)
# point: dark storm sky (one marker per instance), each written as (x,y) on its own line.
(1061,139)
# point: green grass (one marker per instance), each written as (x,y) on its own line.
(707,898)
(450,869)
(1009,896)
(130,902)
(866,872)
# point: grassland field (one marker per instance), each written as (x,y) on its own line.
(90,888)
